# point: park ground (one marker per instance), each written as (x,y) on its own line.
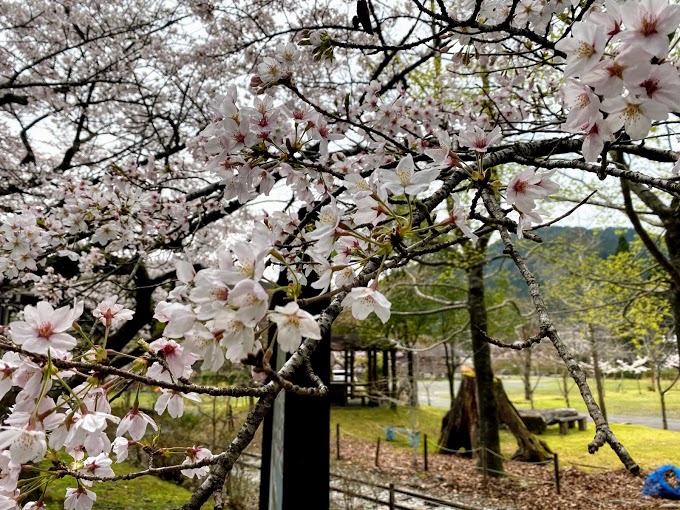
(587,481)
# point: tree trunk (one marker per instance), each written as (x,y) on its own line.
(450,370)
(412,378)
(596,369)
(526,377)
(529,447)
(662,398)
(459,424)
(565,387)
(486,400)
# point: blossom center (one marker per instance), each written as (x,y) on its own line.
(648,26)
(585,50)
(632,111)
(220,293)
(616,69)
(520,186)
(45,330)
(404,178)
(651,86)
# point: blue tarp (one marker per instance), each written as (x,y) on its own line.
(657,486)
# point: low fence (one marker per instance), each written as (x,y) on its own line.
(428,447)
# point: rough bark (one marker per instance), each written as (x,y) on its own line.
(529,447)
(460,423)
(486,400)
(596,369)
(461,420)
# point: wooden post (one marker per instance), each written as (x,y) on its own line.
(392,507)
(557,473)
(393,372)
(484,466)
(337,441)
(377,453)
(425,466)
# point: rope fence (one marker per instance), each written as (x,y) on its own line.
(486,470)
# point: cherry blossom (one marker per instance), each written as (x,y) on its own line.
(44,328)
(79,499)
(135,423)
(478,139)
(364,300)
(25,445)
(404,179)
(633,113)
(110,314)
(527,186)
(120,448)
(196,454)
(99,465)
(648,24)
(293,324)
(173,401)
(584,48)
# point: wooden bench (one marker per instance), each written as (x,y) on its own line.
(568,422)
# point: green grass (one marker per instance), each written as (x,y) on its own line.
(648,447)
(144,493)
(623,397)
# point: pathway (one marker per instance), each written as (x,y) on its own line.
(439,397)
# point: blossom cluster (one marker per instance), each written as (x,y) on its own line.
(616,66)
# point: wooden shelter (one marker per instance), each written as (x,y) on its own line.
(365,370)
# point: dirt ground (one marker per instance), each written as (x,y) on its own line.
(525,487)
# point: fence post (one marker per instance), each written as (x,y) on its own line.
(392,507)
(337,441)
(377,453)
(557,472)
(484,464)
(425,466)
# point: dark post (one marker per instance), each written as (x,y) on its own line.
(307,429)
(377,453)
(392,507)
(385,383)
(425,466)
(393,370)
(337,441)
(557,473)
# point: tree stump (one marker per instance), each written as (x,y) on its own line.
(459,426)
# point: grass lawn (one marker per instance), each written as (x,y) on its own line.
(649,447)
(144,493)
(622,397)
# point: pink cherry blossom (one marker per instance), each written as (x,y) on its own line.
(177,359)
(584,48)
(648,24)
(135,423)
(292,325)
(196,454)
(661,85)
(365,300)
(25,445)
(527,186)
(79,499)
(478,139)
(44,328)
(110,314)
(633,113)
(404,179)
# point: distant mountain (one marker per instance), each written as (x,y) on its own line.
(604,243)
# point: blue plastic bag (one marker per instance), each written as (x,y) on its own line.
(657,486)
